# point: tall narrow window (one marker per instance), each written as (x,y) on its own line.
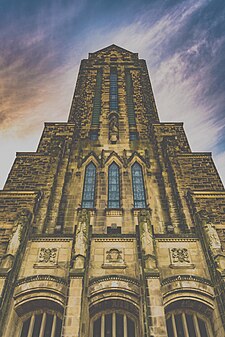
(114,187)
(89,187)
(138,186)
(130,103)
(97,100)
(113,99)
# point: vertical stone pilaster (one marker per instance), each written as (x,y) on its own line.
(71,325)
(158,328)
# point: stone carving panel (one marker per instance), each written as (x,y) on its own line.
(114,258)
(180,258)
(48,255)
(47,258)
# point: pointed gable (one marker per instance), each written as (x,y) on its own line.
(114,53)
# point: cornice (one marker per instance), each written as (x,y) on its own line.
(207,194)
(168,124)
(114,277)
(186,278)
(21,194)
(195,154)
(114,239)
(41,278)
(52,238)
(176,237)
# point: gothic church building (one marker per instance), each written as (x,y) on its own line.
(113,227)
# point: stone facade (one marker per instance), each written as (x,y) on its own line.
(149,264)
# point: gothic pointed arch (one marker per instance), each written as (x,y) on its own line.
(114,157)
(91,157)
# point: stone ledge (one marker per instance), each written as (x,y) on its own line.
(40,278)
(185,278)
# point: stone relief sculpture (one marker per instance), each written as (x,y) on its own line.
(146,236)
(113,127)
(213,240)
(22,221)
(114,259)
(81,240)
(48,255)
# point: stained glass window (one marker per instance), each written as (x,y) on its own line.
(138,186)
(114,187)
(113,90)
(89,187)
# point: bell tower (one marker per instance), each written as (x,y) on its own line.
(113,227)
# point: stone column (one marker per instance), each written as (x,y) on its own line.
(157,313)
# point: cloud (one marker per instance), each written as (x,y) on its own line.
(39,66)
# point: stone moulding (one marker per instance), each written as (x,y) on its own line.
(52,238)
(42,278)
(119,239)
(186,278)
(114,277)
(38,291)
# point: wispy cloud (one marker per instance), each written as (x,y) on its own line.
(183,45)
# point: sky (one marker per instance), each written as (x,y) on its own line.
(42,43)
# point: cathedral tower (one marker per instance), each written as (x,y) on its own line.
(113,227)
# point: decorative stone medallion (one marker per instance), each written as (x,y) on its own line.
(114,258)
(180,258)
(47,258)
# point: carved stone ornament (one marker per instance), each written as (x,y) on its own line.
(205,216)
(21,223)
(47,258)
(48,255)
(180,258)
(114,259)
(81,240)
(147,241)
(212,238)
(113,127)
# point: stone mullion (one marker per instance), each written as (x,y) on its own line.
(31,326)
(54,326)
(43,324)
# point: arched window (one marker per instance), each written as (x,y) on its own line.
(187,324)
(138,186)
(88,199)
(113,186)
(114,324)
(42,324)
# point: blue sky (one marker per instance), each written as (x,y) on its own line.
(42,43)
